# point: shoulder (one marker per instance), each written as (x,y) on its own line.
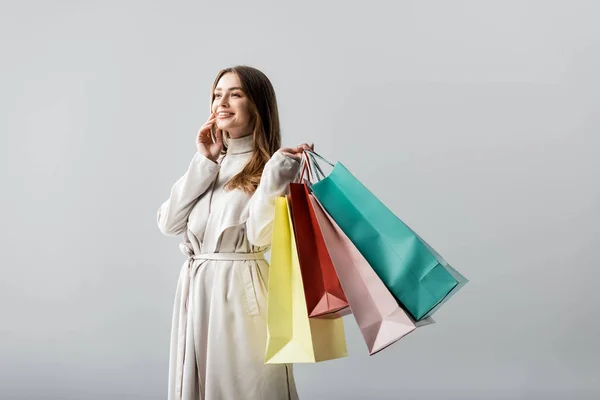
(279,170)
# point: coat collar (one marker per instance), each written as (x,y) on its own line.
(244,144)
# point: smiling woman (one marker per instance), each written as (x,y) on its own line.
(231,106)
(224,207)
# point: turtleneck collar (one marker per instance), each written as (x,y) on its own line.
(242,145)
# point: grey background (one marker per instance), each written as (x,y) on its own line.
(474,121)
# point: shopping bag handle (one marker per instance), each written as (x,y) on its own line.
(318,171)
(306,166)
(318,156)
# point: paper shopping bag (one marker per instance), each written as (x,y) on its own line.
(322,290)
(418,277)
(382,322)
(293,337)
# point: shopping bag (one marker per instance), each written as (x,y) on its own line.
(293,337)
(418,277)
(322,289)
(382,322)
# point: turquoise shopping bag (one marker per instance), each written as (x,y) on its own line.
(419,278)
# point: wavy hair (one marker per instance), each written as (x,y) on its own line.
(264,115)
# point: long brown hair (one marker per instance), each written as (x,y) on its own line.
(264,116)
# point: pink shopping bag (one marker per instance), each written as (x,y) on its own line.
(381,320)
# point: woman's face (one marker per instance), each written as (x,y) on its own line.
(232,106)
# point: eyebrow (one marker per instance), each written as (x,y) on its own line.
(230,89)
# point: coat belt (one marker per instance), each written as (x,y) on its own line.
(229,256)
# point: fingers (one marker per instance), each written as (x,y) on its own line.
(289,152)
(211,120)
(305,146)
(296,153)
(204,131)
(219,136)
(208,123)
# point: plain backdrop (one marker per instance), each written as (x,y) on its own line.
(476,122)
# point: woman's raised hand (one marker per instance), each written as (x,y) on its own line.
(204,141)
(296,153)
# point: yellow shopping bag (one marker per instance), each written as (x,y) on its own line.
(293,337)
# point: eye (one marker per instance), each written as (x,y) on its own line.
(217,95)
(237,94)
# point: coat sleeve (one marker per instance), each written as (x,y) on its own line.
(173,213)
(279,171)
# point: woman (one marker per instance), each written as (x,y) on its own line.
(224,205)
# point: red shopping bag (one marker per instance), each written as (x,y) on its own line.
(322,289)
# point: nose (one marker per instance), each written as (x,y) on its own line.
(223,101)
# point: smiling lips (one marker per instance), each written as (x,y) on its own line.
(223,115)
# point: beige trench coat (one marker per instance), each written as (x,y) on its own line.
(218,334)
